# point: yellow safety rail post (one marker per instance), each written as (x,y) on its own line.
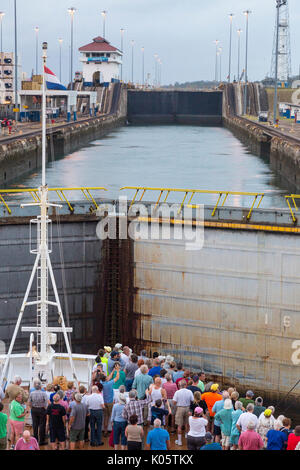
(292,197)
(34,193)
(192,193)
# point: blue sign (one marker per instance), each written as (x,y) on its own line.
(97,59)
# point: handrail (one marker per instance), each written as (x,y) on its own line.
(192,192)
(292,197)
(34,193)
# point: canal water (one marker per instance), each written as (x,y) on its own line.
(207,158)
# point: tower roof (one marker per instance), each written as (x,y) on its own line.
(99,44)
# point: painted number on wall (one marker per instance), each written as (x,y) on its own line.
(296,354)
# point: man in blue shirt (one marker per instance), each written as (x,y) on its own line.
(275,438)
(179,374)
(210,445)
(158,438)
(218,406)
(108,397)
(155,369)
(114,357)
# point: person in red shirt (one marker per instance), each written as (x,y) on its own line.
(171,388)
(186,377)
(250,439)
(293,439)
(210,399)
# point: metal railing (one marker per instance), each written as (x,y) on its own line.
(163,195)
(222,196)
(292,197)
(61,192)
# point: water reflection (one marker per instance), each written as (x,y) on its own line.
(167,156)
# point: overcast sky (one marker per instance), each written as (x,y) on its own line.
(181,32)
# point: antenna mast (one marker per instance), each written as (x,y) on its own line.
(41,270)
(284,68)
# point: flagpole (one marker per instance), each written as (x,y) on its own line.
(45,46)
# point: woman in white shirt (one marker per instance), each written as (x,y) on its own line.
(195,437)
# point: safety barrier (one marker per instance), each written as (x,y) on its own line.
(292,197)
(222,196)
(163,195)
(61,192)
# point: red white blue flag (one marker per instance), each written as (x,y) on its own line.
(52,82)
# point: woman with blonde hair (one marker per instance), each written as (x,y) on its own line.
(198,402)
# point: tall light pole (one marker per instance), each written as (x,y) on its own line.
(239,31)
(132,46)
(279,3)
(155,65)
(216,42)
(60,40)
(143,65)
(36,29)
(230,47)
(122,40)
(246,13)
(71,12)
(103,13)
(2,14)
(16,60)
(220,55)
(159,71)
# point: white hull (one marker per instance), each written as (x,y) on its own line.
(59,365)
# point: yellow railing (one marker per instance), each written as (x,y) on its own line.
(61,192)
(190,193)
(293,197)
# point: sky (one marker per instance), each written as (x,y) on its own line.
(181,32)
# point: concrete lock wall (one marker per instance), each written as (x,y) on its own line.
(185,107)
(80,252)
(231,308)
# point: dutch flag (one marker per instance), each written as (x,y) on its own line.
(52,82)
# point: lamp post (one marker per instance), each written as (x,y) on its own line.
(216,42)
(132,46)
(60,40)
(36,29)
(103,13)
(155,65)
(71,11)
(279,3)
(16,60)
(143,65)
(230,47)
(122,40)
(2,14)
(239,31)
(220,55)
(246,13)
(159,71)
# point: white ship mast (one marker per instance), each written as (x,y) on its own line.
(42,269)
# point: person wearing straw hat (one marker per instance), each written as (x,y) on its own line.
(107,351)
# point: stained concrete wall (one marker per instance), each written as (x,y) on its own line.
(223,308)
(185,107)
(78,283)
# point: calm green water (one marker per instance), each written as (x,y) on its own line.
(166,156)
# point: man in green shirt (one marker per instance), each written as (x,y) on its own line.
(16,418)
(248,399)
(3,428)
(201,382)
(142,382)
